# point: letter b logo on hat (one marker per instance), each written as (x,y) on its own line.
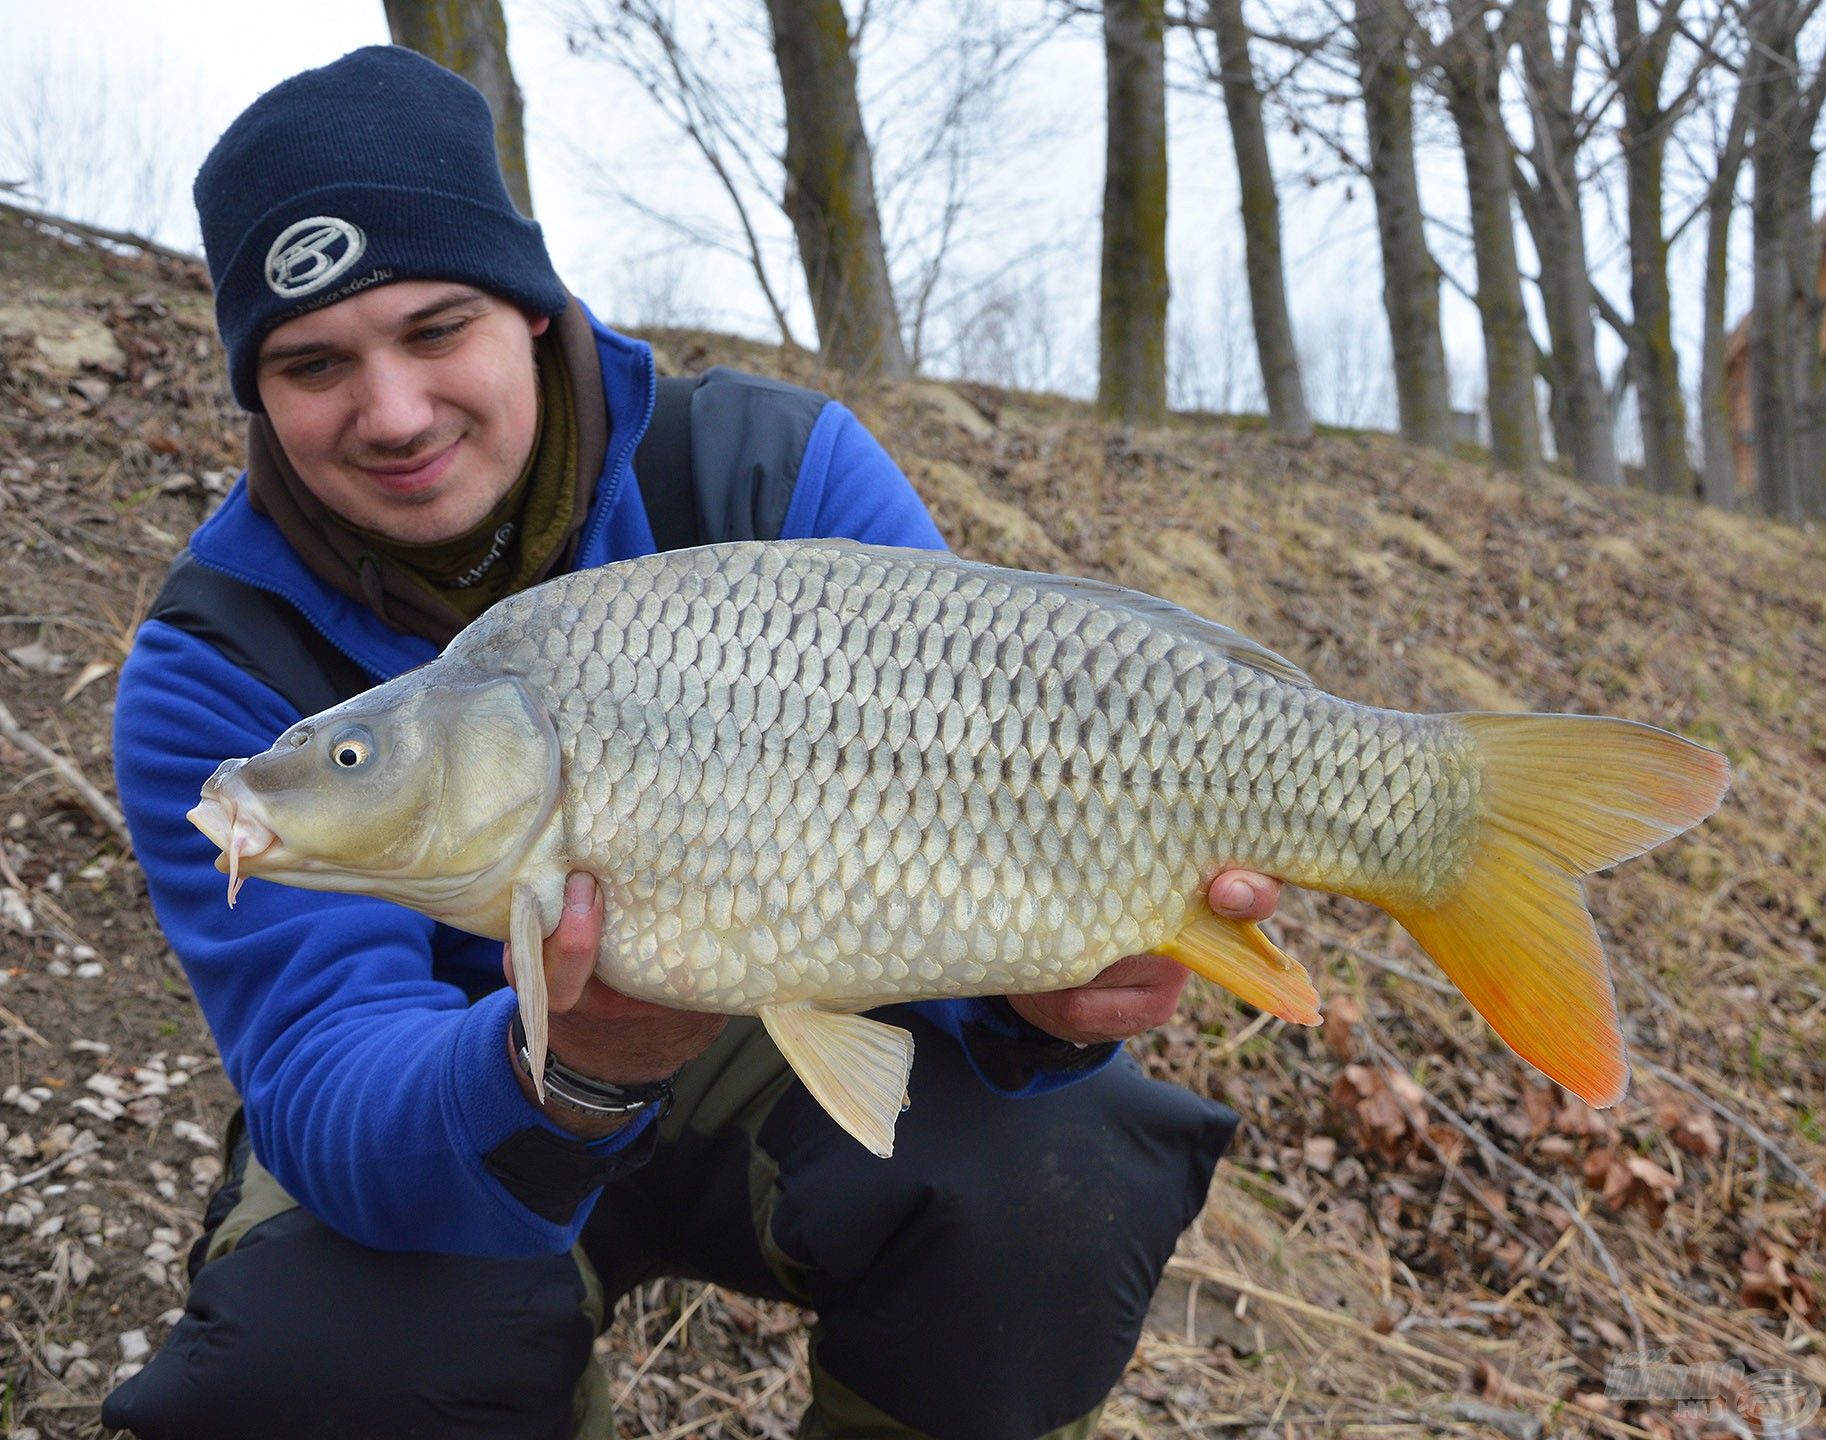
(310,254)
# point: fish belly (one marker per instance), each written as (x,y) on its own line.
(852,775)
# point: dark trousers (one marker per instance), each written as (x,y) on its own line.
(988,1282)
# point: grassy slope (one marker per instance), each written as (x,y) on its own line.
(1452,1278)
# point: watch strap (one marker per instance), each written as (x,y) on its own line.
(585,1094)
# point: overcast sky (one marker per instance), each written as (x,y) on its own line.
(126,96)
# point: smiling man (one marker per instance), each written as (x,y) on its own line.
(407,1242)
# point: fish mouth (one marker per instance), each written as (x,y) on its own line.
(229,815)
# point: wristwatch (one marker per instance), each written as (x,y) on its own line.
(586,1095)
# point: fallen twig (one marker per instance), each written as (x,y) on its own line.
(1384,962)
(14,1020)
(1742,1122)
(98,804)
(31,1177)
(1512,1423)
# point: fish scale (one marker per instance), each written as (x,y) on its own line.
(1013,721)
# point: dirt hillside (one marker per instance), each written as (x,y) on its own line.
(1415,1234)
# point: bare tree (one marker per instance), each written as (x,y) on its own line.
(1214,361)
(1410,278)
(1788,389)
(942,122)
(830,190)
(1010,338)
(77,142)
(1551,202)
(470,37)
(1346,363)
(1468,65)
(1639,65)
(642,38)
(1261,213)
(1719,479)
(1132,326)
(936,116)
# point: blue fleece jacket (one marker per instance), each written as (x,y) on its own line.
(373,1087)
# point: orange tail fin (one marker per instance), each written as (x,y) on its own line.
(1563,795)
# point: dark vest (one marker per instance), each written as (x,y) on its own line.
(718,463)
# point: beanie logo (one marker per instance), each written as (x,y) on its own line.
(312,253)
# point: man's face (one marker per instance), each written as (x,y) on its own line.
(409,409)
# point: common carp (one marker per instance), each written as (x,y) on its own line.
(813,777)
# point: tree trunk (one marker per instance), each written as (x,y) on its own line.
(1410,279)
(1806,306)
(1719,480)
(1580,408)
(1787,380)
(1274,342)
(1771,339)
(1657,368)
(1584,409)
(1132,359)
(470,37)
(1808,387)
(830,190)
(1471,69)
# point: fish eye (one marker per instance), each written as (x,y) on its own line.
(351,748)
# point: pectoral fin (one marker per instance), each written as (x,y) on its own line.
(1238,956)
(856,1068)
(526,939)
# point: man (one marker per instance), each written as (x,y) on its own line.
(407,1243)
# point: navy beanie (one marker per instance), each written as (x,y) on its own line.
(376,168)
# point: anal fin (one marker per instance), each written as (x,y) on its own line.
(855,1067)
(526,947)
(1238,956)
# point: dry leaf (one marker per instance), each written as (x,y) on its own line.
(1577,1119)
(1497,1386)
(1340,1015)
(1386,1105)
(91,672)
(1770,1281)
(1631,1181)
(1538,1106)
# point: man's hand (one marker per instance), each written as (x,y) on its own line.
(1139,992)
(600,1031)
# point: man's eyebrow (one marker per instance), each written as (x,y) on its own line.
(279,354)
(445,302)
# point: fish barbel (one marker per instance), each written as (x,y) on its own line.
(814,777)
